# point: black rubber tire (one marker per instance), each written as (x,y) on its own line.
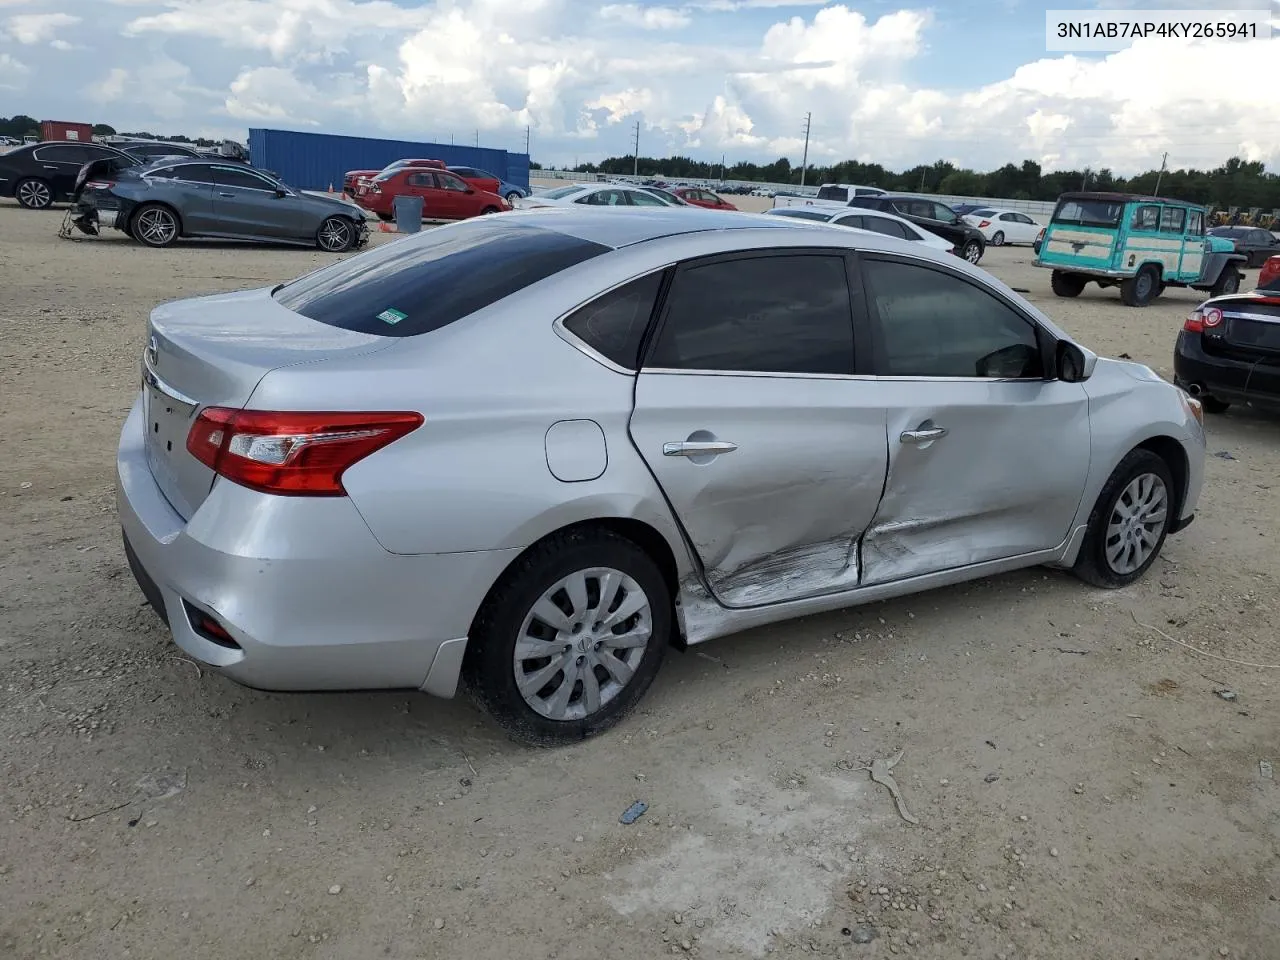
(23,201)
(488,210)
(997,239)
(513,196)
(972,251)
(1228,282)
(1214,405)
(1066,284)
(1140,289)
(487,667)
(351,236)
(138,235)
(1091,565)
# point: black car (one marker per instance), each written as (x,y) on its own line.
(150,150)
(41,174)
(1228,350)
(1255,243)
(935,217)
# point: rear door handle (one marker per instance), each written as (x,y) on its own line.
(924,435)
(698,448)
(221,194)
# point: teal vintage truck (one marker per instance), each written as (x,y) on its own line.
(1137,243)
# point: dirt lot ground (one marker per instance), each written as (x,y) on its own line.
(1082,789)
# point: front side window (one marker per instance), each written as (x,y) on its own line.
(777,314)
(1172,220)
(614,324)
(1146,218)
(890,228)
(559,193)
(239,177)
(1195,223)
(641,199)
(448,181)
(934,324)
(195,173)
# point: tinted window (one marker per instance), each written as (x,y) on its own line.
(560,193)
(984,213)
(785,314)
(796,213)
(641,199)
(833,193)
(425,180)
(942,212)
(163,173)
(1146,218)
(1195,223)
(890,228)
(933,324)
(195,172)
(447,181)
(1172,220)
(852,220)
(614,324)
(866,192)
(237,177)
(62,153)
(431,279)
(1099,213)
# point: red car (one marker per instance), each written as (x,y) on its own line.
(351,179)
(480,179)
(444,195)
(703,198)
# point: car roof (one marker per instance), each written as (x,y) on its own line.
(1124,198)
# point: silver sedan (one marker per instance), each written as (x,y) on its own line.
(531,452)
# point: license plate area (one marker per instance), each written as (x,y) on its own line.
(1254,334)
(166,420)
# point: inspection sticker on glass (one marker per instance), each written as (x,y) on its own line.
(390,315)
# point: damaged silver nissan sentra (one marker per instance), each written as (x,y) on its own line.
(531,451)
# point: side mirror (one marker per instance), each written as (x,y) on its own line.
(281,192)
(1074,363)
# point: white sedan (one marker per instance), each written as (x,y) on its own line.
(1001,226)
(877,221)
(590,194)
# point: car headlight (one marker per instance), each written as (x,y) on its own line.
(1192,406)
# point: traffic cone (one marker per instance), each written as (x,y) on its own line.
(331,188)
(388,227)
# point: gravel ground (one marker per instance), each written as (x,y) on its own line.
(1083,787)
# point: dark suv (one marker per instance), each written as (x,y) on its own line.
(935,217)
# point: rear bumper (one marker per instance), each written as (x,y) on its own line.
(309,598)
(1225,378)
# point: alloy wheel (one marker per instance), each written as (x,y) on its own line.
(1137,520)
(972,252)
(580,644)
(34,194)
(335,235)
(156,226)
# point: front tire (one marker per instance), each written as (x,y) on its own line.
(1129,522)
(570,638)
(335,235)
(1140,289)
(513,196)
(1066,284)
(972,251)
(488,211)
(34,193)
(154,225)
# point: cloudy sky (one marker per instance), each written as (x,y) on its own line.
(886,80)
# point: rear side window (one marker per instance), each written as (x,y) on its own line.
(427,281)
(1172,219)
(1089,213)
(833,193)
(614,325)
(779,314)
(1146,218)
(890,228)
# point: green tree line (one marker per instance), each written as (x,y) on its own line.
(21,125)
(1235,183)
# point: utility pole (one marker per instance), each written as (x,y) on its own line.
(1084,181)
(526,140)
(477,138)
(635,159)
(804,162)
(1160,176)
(722,168)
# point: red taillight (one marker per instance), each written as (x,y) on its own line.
(298,454)
(1270,272)
(1201,319)
(99,184)
(984,223)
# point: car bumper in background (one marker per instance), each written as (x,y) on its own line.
(1225,378)
(302,596)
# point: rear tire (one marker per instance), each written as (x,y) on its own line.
(540,581)
(1213,404)
(1140,289)
(34,193)
(1130,518)
(997,239)
(1066,284)
(154,225)
(972,251)
(513,196)
(1228,282)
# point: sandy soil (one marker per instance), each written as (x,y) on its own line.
(1082,789)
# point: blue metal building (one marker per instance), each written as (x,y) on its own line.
(313,161)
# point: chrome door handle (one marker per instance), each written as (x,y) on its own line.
(698,448)
(923,436)
(50,166)
(221,194)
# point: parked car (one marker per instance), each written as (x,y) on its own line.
(39,175)
(701,197)
(352,180)
(667,196)
(1138,243)
(445,196)
(531,452)
(480,179)
(933,216)
(150,150)
(1038,241)
(158,203)
(1255,243)
(874,220)
(1269,275)
(592,194)
(965,208)
(1000,226)
(1228,350)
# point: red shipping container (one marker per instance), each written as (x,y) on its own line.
(60,130)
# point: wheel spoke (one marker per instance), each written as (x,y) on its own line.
(531,648)
(631,604)
(610,584)
(617,669)
(558,702)
(637,636)
(531,683)
(590,690)
(546,611)
(576,587)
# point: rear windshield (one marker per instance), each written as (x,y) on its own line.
(422,283)
(1098,213)
(560,192)
(833,193)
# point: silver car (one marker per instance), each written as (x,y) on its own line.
(533,451)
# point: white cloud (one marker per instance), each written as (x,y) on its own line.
(29,28)
(622,104)
(110,88)
(647,18)
(13,73)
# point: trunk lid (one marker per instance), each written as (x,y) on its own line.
(213,351)
(1250,330)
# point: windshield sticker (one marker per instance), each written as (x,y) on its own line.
(391,315)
